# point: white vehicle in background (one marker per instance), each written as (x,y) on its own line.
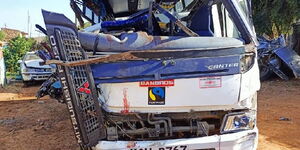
(32,70)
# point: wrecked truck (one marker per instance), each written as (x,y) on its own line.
(158,75)
(275,57)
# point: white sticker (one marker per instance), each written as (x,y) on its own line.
(210,82)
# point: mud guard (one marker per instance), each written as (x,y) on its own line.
(290,58)
(77,82)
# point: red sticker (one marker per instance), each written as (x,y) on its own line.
(157,83)
(85,88)
(210,82)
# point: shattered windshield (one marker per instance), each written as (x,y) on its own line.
(207,18)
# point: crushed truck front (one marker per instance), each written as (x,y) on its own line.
(174,75)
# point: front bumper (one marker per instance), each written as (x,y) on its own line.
(244,140)
(35,76)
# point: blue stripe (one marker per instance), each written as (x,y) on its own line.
(132,71)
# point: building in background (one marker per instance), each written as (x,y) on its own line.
(12,33)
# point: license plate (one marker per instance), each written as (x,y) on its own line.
(182,147)
(39,70)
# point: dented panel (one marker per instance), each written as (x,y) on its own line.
(132,71)
(245,140)
(290,58)
(142,41)
(186,95)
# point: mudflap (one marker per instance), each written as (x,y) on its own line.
(77,82)
(290,58)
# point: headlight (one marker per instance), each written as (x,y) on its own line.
(247,62)
(233,122)
(28,70)
(53,69)
(25,70)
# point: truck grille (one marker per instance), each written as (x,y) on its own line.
(79,78)
(78,84)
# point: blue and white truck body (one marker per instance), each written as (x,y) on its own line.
(182,82)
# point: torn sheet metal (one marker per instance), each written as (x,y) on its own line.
(143,41)
(290,58)
(245,140)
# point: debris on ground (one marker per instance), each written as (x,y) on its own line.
(284,119)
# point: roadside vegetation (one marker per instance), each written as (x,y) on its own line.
(16,49)
(2,35)
(275,17)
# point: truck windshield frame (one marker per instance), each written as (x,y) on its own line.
(236,11)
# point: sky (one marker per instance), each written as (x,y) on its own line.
(14,13)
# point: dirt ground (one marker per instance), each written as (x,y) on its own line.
(279,115)
(45,125)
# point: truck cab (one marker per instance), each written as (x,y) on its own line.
(159,75)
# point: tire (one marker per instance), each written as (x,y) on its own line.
(264,71)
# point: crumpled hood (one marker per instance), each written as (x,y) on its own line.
(36,64)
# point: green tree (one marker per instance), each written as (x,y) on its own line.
(15,50)
(2,35)
(86,24)
(275,17)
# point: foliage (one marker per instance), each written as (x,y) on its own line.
(2,35)
(10,75)
(39,46)
(86,24)
(15,50)
(275,17)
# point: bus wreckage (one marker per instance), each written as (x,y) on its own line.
(157,75)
